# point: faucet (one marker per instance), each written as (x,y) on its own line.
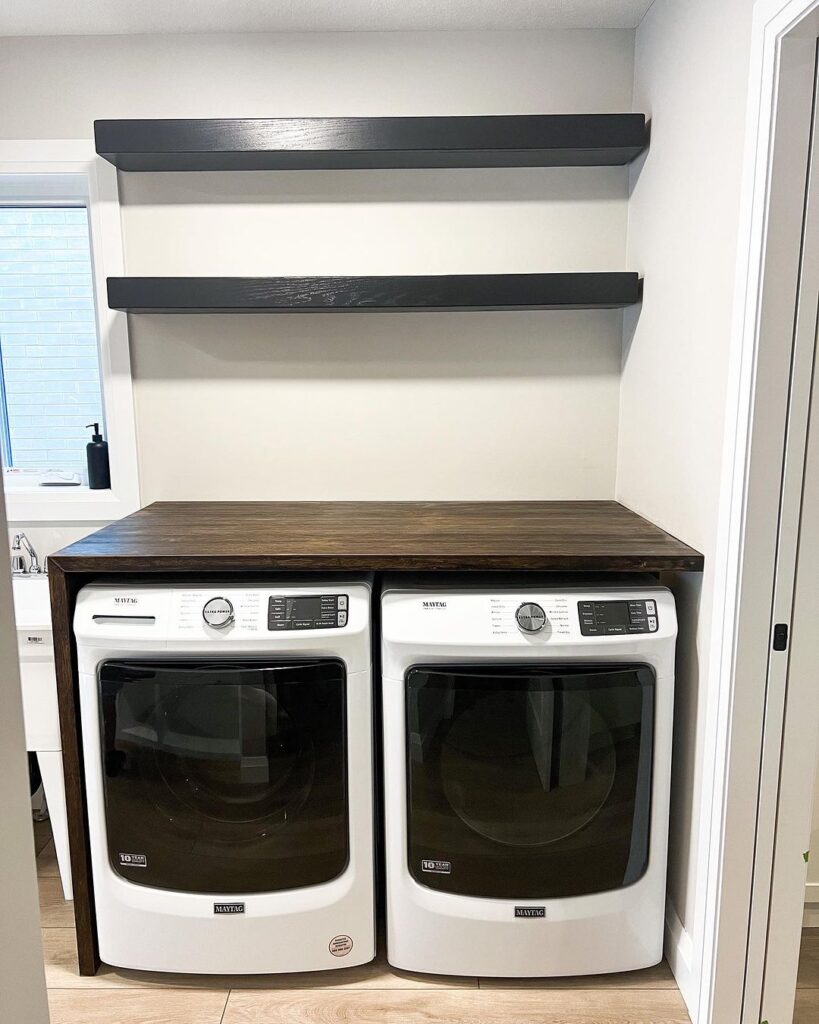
(18,561)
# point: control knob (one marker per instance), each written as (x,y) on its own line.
(218,612)
(531,618)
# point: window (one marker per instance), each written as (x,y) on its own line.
(64,355)
(49,357)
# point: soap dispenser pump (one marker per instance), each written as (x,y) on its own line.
(99,472)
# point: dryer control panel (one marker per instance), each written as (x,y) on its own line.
(476,621)
(610,618)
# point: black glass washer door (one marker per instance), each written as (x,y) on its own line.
(530,781)
(225,777)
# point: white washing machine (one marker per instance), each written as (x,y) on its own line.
(227,734)
(527,738)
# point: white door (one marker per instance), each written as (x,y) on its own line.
(797,769)
(792,711)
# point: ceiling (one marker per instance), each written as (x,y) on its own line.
(114,17)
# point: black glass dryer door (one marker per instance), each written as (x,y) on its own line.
(225,777)
(529,782)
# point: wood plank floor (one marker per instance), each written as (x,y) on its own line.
(807,983)
(373,994)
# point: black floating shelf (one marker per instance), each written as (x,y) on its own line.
(458,292)
(313,143)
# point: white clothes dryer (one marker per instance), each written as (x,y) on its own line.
(527,739)
(227,734)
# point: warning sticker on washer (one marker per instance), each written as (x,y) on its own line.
(437,867)
(341,945)
(133,860)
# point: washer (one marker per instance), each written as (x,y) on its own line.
(527,738)
(227,735)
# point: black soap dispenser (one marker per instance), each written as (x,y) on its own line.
(99,472)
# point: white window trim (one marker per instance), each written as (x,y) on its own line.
(77,157)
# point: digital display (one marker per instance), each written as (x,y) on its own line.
(617,613)
(304,608)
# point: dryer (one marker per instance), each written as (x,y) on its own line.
(527,739)
(227,735)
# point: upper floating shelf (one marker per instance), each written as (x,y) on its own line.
(455,292)
(320,143)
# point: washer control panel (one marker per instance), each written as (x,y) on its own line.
(316,611)
(607,618)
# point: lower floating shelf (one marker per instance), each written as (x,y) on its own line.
(442,293)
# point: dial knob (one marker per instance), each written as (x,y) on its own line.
(531,617)
(218,612)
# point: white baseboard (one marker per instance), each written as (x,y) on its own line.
(679,951)
(810,917)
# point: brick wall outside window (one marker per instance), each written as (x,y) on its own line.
(48,339)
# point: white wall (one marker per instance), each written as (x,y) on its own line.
(358,405)
(691,70)
(60,84)
(50,537)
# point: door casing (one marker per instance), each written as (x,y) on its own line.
(748,705)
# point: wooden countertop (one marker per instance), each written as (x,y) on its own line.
(379,536)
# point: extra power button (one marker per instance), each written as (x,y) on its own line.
(218,612)
(530,617)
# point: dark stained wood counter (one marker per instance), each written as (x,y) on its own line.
(198,538)
(598,536)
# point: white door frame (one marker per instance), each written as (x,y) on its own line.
(750,687)
(22,977)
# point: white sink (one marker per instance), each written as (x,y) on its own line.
(35,651)
(32,605)
(32,612)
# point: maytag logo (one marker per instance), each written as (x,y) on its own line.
(125,600)
(530,911)
(228,908)
(434,604)
(32,638)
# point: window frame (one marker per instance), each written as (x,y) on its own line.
(79,174)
